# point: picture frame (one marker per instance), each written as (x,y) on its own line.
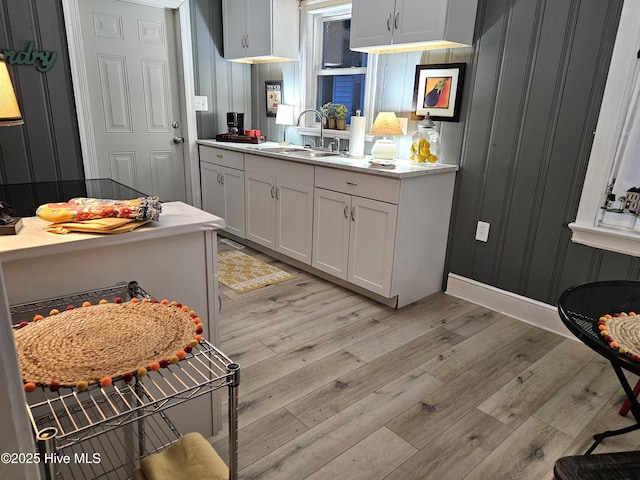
(273,96)
(438,91)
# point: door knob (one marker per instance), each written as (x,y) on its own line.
(178,139)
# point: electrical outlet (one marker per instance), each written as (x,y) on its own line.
(482,231)
(202,105)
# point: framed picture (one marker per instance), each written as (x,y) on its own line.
(438,91)
(273,95)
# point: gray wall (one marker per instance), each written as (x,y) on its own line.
(226,84)
(539,69)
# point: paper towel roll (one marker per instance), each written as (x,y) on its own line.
(356,141)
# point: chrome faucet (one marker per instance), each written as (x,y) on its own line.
(320,116)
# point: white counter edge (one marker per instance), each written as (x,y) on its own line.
(177,218)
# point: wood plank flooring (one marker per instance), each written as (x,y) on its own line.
(337,386)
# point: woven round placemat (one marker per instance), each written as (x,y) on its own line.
(622,332)
(88,344)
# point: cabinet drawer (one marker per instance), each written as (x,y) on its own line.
(360,184)
(220,156)
(284,169)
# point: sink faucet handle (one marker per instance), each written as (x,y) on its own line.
(335,144)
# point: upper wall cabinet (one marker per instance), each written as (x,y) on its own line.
(258,31)
(383,26)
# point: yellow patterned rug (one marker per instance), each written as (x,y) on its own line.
(243,273)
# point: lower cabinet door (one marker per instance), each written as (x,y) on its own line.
(331,232)
(294,219)
(233,193)
(260,194)
(212,196)
(372,244)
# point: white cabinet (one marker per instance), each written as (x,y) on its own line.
(380,233)
(279,205)
(354,227)
(396,25)
(260,30)
(354,239)
(222,183)
(385,234)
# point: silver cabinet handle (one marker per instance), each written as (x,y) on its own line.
(346,211)
(395,20)
(222,178)
(273,191)
(353,214)
(277,193)
(351,183)
(219,155)
(389,22)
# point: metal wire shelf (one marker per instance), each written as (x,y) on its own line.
(65,418)
(81,415)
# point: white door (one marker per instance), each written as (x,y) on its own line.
(294,219)
(371,244)
(131,63)
(331,222)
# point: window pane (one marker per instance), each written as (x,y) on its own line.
(345,89)
(335,46)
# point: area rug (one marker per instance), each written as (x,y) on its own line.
(243,273)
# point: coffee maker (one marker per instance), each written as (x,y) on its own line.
(235,123)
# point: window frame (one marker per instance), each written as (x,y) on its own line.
(616,98)
(313,13)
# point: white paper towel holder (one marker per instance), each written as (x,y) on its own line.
(356,141)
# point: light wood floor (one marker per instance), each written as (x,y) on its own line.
(337,386)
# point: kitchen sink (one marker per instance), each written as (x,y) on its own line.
(277,149)
(314,153)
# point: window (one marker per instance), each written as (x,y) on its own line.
(340,73)
(330,71)
(618,96)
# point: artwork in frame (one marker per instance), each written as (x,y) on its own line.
(273,95)
(438,91)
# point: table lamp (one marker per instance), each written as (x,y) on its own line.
(284,117)
(10,115)
(385,124)
(9,110)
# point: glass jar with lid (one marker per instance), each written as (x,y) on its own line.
(425,143)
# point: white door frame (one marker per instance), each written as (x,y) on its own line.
(185,86)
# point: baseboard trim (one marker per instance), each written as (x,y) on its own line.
(531,311)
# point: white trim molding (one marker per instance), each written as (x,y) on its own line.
(538,314)
(615,101)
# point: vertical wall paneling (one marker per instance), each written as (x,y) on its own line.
(226,84)
(47,146)
(538,70)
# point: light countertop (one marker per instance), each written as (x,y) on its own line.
(32,240)
(403,168)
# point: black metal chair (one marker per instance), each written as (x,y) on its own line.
(607,466)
